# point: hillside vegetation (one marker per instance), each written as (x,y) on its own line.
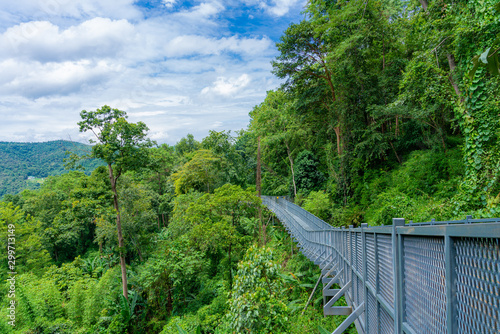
(36,161)
(383,113)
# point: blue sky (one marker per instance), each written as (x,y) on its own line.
(179,66)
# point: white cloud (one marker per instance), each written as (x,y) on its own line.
(64,10)
(281,7)
(169,3)
(275,7)
(227,87)
(45,42)
(158,135)
(188,45)
(204,10)
(35,79)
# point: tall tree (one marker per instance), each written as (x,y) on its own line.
(279,128)
(122,146)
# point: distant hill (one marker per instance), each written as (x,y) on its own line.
(25,165)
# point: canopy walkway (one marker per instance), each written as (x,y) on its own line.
(433,277)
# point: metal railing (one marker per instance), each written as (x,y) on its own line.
(433,277)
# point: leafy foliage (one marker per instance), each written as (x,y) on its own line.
(255,304)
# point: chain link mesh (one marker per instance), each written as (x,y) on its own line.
(478,285)
(424,284)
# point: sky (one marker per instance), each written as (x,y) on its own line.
(179,66)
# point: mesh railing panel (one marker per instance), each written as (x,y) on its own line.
(349,247)
(370,259)
(386,322)
(359,291)
(359,253)
(386,270)
(371,308)
(424,280)
(478,285)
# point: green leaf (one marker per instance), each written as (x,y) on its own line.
(322,330)
(484,56)
(125,310)
(493,65)
(181,330)
(475,60)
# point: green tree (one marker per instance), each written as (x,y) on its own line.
(280,129)
(187,145)
(22,232)
(307,173)
(223,221)
(318,203)
(201,173)
(256,305)
(122,146)
(223,144)
(138,217)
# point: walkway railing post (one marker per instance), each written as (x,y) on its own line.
(348,293)
(364,226)
(451,285)
(377,277)
(397,260)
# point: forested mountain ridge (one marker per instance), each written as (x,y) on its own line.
(20,161)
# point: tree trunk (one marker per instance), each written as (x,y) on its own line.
(291,168)
(170,303)
(258,185)
(121,244)
(424,4)
(139,252)
(451,62)
(337,133)
(383,54)
(230,269)
(395,153)
(397,126)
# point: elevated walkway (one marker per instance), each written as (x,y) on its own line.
(432,277)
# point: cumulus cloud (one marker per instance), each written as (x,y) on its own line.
(35,80)
(147,113)
(281,7)
(227,86)
(45,42)
(203,11)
